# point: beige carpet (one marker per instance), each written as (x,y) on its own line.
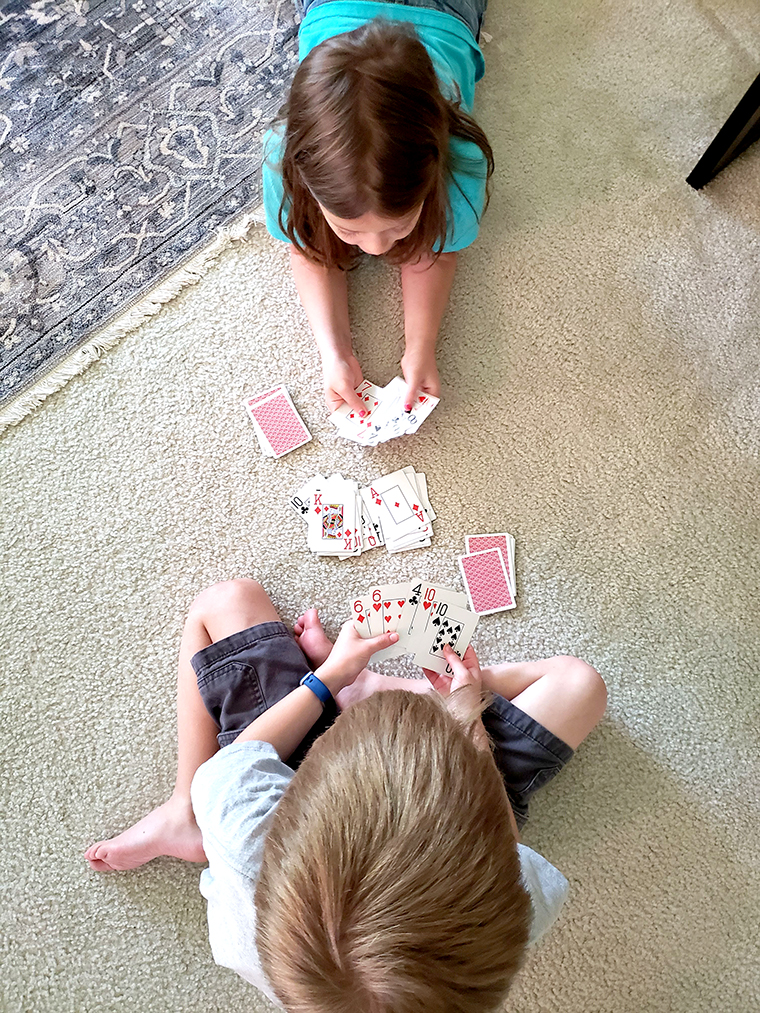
(601,365)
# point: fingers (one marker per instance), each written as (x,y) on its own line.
(458,667)
(384,640)
(410,396)
(353,401)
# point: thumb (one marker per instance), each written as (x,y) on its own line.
(384,640)
(353,400)
(456,664)
(410,396)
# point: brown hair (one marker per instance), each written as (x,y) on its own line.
(390,880)
(367,130)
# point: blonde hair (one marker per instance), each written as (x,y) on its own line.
(390,880)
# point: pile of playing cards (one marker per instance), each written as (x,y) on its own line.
(385,417)
(425,616)
(488,570)
(278,425)
(344,520)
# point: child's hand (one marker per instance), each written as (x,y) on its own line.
(341,377)
(350,656)
(465,672)
(421,377)
(466,678)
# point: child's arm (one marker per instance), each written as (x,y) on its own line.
(426,286)
(286,723)
(323,292)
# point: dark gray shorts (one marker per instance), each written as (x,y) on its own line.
(469,11)
(244,674)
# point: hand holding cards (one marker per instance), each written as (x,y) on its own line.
(425,616)
(384,415)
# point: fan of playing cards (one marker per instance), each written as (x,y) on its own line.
(425,616)
(384,415)
(343,520)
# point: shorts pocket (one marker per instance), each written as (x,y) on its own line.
(232,695)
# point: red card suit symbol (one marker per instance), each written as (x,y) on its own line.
(426,604)
(377,607)
(387,604)
(378,501)
(387,619)
(360,618)
(396,504)
(401,603)
(415,507)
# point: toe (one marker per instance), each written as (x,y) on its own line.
(311,620)
(99,866)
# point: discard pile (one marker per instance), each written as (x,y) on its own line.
(344,520)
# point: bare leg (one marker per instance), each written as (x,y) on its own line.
(564,694)
(316,645)
(171,828)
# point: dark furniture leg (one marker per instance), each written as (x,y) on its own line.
(741,128)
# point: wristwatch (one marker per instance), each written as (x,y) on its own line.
(317,687)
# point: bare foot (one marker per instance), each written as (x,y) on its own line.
(312,639)
(168,830)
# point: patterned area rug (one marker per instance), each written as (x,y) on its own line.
(130,137)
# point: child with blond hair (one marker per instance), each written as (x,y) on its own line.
(363,846)
(376,152)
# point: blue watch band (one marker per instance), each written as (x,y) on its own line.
(317,687)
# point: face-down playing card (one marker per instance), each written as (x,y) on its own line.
(503,541)
(278,422)
(485,577)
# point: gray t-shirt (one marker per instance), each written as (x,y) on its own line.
(234,795)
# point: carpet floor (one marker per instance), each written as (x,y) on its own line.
(601,371)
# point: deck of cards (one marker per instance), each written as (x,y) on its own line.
(488,571)
(384,415)
(425,616)
(278,425)
(344,520)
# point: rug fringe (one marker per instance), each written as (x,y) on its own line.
(190,274)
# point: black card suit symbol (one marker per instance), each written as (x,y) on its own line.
(436,622)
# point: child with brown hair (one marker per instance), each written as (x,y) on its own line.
(376,151)
(385,873)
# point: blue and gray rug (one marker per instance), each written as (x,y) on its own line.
(130,131)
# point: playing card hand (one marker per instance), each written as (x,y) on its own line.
(421,377)
(341,377)
(350,656)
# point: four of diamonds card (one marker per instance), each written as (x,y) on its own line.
(425,616)
(343,520)
(384,416)
(278,425)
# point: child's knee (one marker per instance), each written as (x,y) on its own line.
(586,686)
(227,595)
